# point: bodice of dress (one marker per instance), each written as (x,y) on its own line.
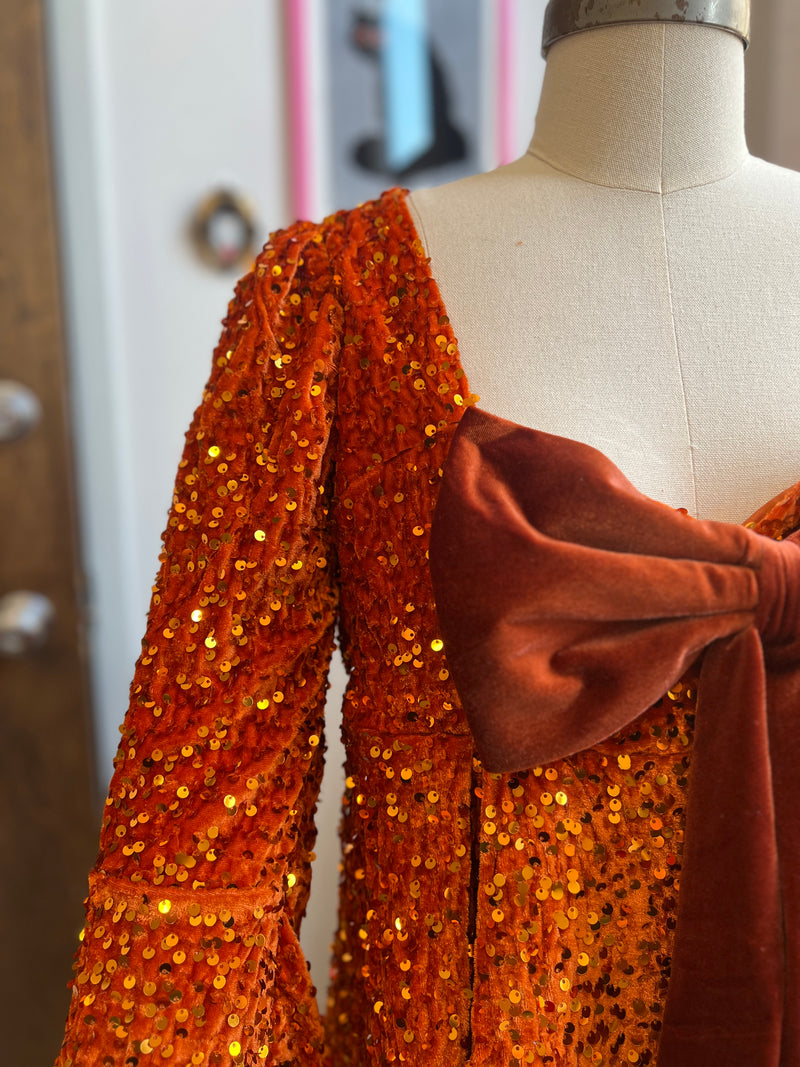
(484,919)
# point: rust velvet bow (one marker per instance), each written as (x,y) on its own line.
(569,603)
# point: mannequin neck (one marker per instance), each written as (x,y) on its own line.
(653,106)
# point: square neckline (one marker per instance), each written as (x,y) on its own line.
(767,512)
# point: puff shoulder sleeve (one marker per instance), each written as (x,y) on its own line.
(189,953)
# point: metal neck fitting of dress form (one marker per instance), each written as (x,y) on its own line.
(565,17)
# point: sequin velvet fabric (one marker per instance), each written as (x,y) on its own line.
(484,919)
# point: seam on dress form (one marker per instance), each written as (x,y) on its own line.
(636,188)
(416,218)
(669,278)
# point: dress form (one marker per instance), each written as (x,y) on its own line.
(633,281)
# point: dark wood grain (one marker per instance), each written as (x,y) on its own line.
(48,813)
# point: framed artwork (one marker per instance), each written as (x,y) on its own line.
(394,92)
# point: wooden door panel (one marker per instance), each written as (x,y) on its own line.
(49,816)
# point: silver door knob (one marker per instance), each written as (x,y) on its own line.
(20,410)
(25,621)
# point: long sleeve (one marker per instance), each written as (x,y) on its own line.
(190,954)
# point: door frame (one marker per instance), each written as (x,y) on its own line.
(102,437)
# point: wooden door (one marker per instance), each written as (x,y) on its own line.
(49,815)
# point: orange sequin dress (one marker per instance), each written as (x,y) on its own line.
(484,919)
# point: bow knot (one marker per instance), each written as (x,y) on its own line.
(777,615)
